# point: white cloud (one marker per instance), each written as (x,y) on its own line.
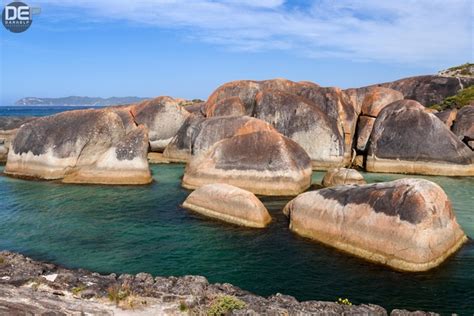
(406,31)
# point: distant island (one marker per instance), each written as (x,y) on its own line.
(78,101)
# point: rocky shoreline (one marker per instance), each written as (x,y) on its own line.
(33,287)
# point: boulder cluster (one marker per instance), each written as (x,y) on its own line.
(265,138)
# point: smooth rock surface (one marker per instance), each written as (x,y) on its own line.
(407,224)
(82,146)
(364,129)
(304,123)
(198,134)
(264,162)
(163,116)
(407,139)
(342,176)
(230,204)
(447,116)
(430,89)
(377,98)
(8,127)
(463,126)
(232,106)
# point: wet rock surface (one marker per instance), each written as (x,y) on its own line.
(407,224)
(228,203)
(407,139)
(81,146)
(263,162)
(33,287)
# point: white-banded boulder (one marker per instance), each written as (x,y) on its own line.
(407,139)
(463,125)
(263,162)
(305,123)
(163,116)
(8,127)
(198,134)
(231,106)
(82,146)
(230,204)
(342,176)
(407,224)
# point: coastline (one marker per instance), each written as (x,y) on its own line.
(30,286)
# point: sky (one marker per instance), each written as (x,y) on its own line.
(187,48)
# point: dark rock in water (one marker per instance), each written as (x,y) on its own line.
(264,162)
(304,123)
(342,176)
(163,116)
(8,128)
(429,90)
(83,146)
(228,203)
(407,139)
(447,116)
(198,134)
(406,224)
(32,287)
(232,106)
(463,126)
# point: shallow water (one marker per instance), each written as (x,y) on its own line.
(134,229)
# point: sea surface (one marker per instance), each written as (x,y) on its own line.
(126,229)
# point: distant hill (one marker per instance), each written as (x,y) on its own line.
(78,101)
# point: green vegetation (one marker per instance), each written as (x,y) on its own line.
(225,304)
(464,68)
(117,293)
(2,260)
(344,301)
(78,289)
(462,98)
(183,307)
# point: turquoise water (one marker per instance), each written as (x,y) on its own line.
(134,229)
(17,110)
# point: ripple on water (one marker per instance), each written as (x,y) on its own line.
(134,229)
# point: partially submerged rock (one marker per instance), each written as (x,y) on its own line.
(163,116)
(407,139)
(407,224)
(342,176)
(263,162)
(228,203)
(82,146)
(304,123)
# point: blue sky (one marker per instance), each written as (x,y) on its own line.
(187,48)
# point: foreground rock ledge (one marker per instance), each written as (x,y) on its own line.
(230,204)
(32,287)
(406,224)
